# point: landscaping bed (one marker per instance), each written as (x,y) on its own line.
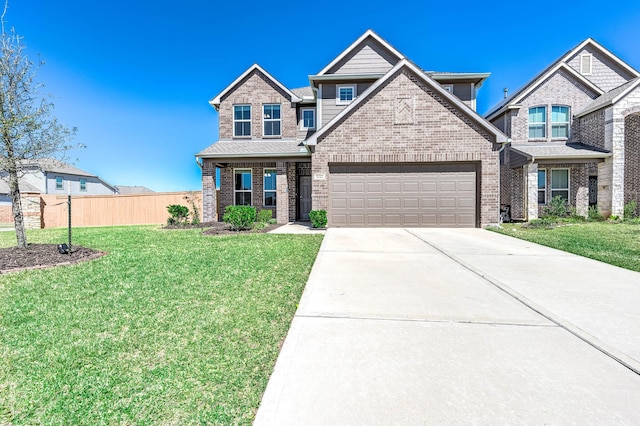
(42,256)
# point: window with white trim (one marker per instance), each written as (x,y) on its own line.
(83,184)
(271,119)
(448,88)
(559,122)
(269,185)
(542,186)
(537,122)
(59,183)
(560,183)
(242,120)
(345,94)
(308,119)
(242,187)
(586,63)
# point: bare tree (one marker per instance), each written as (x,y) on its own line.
(28,129)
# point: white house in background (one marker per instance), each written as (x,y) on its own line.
(49,176)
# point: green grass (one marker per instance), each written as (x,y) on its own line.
(171,327)
(614,243)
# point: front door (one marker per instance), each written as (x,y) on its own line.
(304,197)
(593,190)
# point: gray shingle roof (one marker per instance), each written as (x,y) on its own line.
(57,166)
(254,148)
(126,189)
(303,91)
(23,186)
(541,151)
(608,98)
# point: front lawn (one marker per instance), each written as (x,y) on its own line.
(614,243)
(171,327)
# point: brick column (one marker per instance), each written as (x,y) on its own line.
(532,191)
(282,193)
(31,211)
(209,202)
(582,201)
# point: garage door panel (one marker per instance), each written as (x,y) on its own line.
(392,187)
(403,195)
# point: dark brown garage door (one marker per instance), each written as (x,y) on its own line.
(402,195)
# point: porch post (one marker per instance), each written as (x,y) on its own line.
(531,186)
(209,202)
(282,193)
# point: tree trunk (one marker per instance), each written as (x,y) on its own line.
(16,206)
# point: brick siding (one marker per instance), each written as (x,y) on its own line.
(256,90)
(436,132)
(632,160)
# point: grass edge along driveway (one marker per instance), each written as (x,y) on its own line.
(613,243)
(171,327)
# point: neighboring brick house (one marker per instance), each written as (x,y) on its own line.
(374,140)
(575,133)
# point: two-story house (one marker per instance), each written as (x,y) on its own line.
(575,130)
(374,140)
(50,176)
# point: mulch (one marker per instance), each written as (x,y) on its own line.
(222,228)
(39,256)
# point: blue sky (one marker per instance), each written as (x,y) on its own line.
(135,77)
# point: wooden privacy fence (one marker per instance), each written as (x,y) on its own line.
(110,210)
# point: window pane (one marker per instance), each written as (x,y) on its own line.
(536,131)
(308,119)
(542,179)
(242,112)
(559,114)
(560,131)
(346,93)
(537,115)
(243,198)
(269,180)
(243,180)
(272,128)
(559,179)
(564,194)
(243,128)
(270,198)
(541,197)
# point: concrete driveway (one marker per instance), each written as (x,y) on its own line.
(457,326)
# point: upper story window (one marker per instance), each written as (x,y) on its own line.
(308,120)
(59,182)
(345,94)
(586,63)
(83,184)
(242,120)
(448,88)
(559,122)
(537,122)
(271,119)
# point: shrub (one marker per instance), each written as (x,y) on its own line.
(594,214)
(318,218)
(264,216)
(239,217)
(630,210)
(178,214)
(558,207)
(195,212)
